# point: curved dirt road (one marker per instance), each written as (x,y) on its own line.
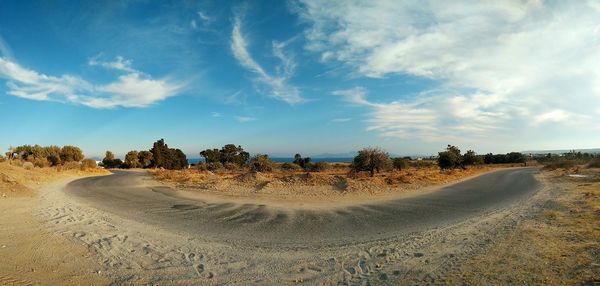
(133,195)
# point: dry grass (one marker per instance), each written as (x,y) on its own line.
(15,180)
(558,246)
(336,180)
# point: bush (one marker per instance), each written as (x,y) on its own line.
(28,166)
(53,160)
(400,163)
(70,166)
(41,162)
(88,164)
(214,166)
(290,167)
(318,167)
(372,160)
(450,158)
(202,166)
(594,164)
(231,166)
(560,164)
(2,159)
(261,163)
(70,154)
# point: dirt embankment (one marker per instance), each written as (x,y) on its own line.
(29,254)
(331,185)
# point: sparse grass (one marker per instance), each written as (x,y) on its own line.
(559,246)
(334,179)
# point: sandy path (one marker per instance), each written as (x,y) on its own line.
(32,255)
(131,252)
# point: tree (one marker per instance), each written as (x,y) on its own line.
(109,160)
(131,159)
(145,159)
(372,160)
(168,158)
(52,153)
(70,154)
(469,158)
(211,155)
(450,158)
(400,163)
(298,160)
(232,154)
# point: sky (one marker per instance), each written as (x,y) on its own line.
(281,77)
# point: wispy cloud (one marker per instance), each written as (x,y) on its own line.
(500,65)
(119,64)
(244,119)
(340,120)
(215,114)
(277,85)
(133,89)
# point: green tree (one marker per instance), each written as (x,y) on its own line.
(470,158)
(211,155)
(450,158)
(234,154)
(372,160)
(132,160)
(70,154)
(145,159)
(109,160)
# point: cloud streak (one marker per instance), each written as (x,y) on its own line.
(277,85)
(133,89)
(499,65)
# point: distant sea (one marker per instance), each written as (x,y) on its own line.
(283,160)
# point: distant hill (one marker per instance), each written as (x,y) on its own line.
(594,150)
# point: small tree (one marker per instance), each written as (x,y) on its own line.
(261,163)
(211,155)
(450,158)
(469,158)
(109,160)
(400,163)
(372,160)
(70,154)
(131,159)
(145,159)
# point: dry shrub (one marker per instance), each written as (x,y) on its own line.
(41,162)
(290,167)
(88,164)
(261,163)
(231,166)
(28,166)
(319,167)
(70,166)
(2,159)
(215,166)
(202,166)
(594,164)
(560,164)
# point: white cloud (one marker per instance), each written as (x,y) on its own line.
(119,64)
(205,18)
(499,65)
(244,119)
(277,85)
(133,89)
(215,114)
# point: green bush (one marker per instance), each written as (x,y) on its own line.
(261,163)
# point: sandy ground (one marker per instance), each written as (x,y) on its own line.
(30,254)
(67,242)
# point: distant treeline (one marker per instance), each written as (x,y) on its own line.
(45,156)
(159,156)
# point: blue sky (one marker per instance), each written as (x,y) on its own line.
(282,77)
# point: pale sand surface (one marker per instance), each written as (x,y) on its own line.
(87,246)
